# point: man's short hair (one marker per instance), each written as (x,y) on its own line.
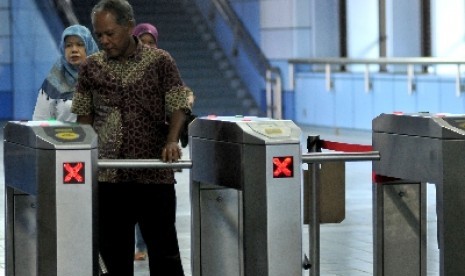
(120,8)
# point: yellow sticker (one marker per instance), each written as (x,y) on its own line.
(67,135)
(271,131)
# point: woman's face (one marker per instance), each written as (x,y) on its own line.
(75,50)
(148,39)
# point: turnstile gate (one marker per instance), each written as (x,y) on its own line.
(49,171)
(416,149)
(246,197)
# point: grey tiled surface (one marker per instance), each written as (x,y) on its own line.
(346,248)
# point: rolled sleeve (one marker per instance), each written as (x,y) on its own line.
(82,104)
(177,98)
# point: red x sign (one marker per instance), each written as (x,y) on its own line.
(73,173)
(283,167)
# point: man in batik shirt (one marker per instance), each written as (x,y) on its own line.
(134,98)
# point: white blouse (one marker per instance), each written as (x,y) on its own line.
(48,108)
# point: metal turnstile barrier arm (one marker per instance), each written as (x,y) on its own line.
(322,157)
(143,163)
(315,158)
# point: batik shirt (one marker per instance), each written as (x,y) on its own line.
(130,101)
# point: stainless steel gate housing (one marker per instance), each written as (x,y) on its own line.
(419,148)
(50,220)
(245,219)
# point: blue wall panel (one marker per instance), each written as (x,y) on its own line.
(302,105)
(288,105)
(344,117)
(363,103)
(449,102)
(323,103)
(5,77)
(33,55)
(383,96)
(307,100)
(403,101)
(428,94)
(350,106)
(6,105)
(5,56)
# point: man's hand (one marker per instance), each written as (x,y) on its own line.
(171,152)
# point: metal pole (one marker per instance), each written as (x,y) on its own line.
(269,95)
(143,163)
(321,157)
(314,147)
(314,222)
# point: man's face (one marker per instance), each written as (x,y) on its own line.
(114,38)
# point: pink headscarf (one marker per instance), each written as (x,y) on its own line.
(146,28)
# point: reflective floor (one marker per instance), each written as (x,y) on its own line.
(346,248)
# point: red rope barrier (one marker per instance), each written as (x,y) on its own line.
(377,178)
(337,146)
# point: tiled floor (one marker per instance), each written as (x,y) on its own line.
(346,248)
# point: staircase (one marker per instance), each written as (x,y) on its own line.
(202,64)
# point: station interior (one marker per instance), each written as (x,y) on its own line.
(348,72)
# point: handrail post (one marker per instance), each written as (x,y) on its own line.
(368,85)
(409,62)
(313,145)
(458,82)
(278,106)
(410,79)
(329,84)
(291,72)
(273,87)
(269,95)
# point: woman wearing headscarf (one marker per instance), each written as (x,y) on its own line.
(56,93)
(147,34)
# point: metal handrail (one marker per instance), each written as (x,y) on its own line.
(313,157)
(384,61)
(143,163)
(273,90)
(410,62)
(321,157)
(67,8)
